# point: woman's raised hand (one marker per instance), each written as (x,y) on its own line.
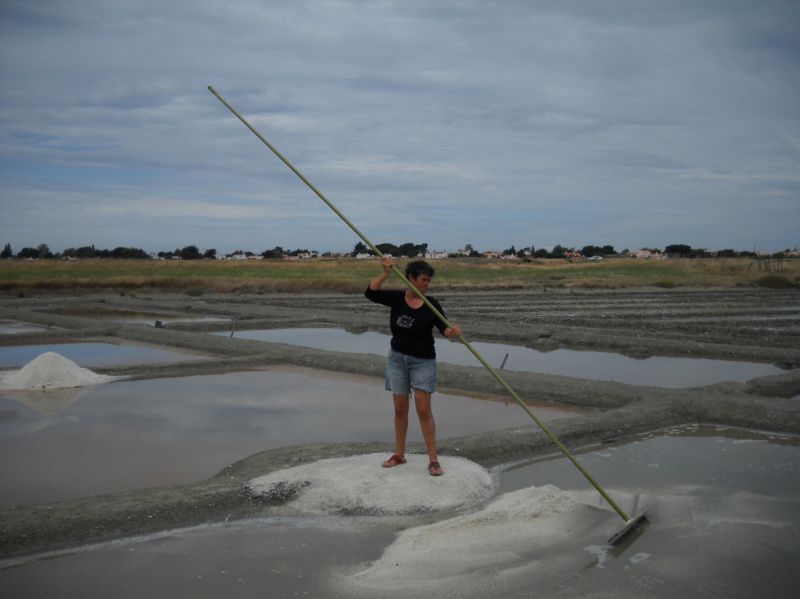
(387,263)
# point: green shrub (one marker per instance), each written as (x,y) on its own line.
(666,284)
(775,282)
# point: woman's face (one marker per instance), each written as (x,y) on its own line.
(421,282)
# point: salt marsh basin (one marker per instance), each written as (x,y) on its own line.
(643,323)
(147,433)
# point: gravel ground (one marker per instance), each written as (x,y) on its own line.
(755,325)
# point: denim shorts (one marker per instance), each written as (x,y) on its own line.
(404,373)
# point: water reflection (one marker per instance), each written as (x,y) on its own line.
(47,402)
(135,434)
(696,456)
(657,371)
(134,316)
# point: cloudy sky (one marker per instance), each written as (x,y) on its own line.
(629,123)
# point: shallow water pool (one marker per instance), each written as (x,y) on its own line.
(56,445)
(726,459)
(135,316)
(658,371)
(723,506)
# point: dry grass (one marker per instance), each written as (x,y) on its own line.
(350,276)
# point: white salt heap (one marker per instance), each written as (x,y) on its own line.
(359,485)
(543,541)
(51,371)
(537,533)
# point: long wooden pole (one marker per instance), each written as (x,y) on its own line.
(551,435)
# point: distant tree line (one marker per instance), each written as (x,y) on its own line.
(189,252)
(677,250)
(405,249)
(192,252)
(120,252)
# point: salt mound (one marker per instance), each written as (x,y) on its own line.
(360,485)
(537,533)
(51,371)
(542,541)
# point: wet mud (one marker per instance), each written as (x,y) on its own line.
(755,325)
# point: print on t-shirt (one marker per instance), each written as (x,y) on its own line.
(405,321)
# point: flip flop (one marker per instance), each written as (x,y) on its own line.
(393,461)
(433,467)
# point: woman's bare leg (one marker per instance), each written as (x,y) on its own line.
(422,400)
(400,424)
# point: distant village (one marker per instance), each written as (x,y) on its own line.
(406,250)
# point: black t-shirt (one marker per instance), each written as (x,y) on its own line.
(412,329)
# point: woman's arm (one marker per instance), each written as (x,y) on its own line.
(386,263)
(449,332)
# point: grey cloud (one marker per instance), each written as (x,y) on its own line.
(471,113)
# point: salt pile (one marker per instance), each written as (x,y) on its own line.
(51,371)
(359,485)
(539,541)
(536,533)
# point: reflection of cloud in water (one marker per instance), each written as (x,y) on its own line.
(19,423)
(133,434)
(660,371)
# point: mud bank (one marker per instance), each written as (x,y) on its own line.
(755,325)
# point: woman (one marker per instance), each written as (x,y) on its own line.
(412,359)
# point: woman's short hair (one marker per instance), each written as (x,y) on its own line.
(417,268)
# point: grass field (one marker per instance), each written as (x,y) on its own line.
(350,275)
